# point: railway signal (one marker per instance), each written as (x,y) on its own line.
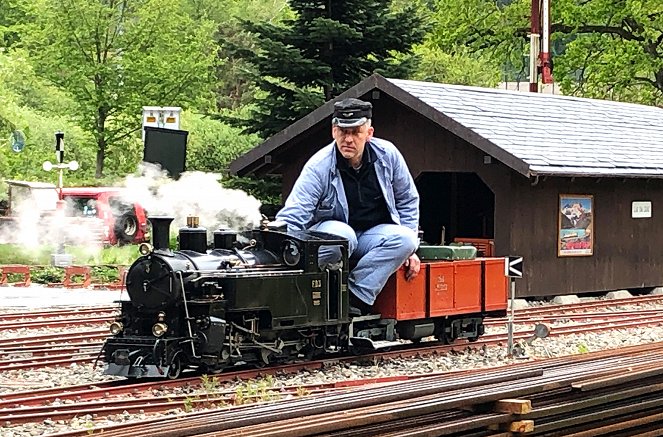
(513,268)
(60,164)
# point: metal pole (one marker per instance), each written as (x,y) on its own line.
(61,182)
(535,34)
(546,65)
(509,344)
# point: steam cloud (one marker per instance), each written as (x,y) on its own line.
(195,193)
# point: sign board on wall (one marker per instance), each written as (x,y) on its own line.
(576,225)
(641,209)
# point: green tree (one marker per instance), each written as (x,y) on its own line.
(13,16)
(601,48)
(38,109)
(115,56)
(459,67)
(325,48)
(233,88)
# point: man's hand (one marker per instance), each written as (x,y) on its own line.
(412,264)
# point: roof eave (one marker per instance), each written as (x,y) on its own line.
(257,157)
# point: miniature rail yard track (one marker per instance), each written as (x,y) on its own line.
(611,390)
(63,349)
(422,413)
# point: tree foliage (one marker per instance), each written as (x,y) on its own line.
(115,56)
(458,67)
(233,88)
(324,49)
(601,48)
(28,103)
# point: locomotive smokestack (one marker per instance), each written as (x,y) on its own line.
(161,232)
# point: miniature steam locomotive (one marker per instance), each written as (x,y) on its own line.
(262,297)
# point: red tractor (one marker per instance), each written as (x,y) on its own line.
(125,222)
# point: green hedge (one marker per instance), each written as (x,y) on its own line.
(113,255)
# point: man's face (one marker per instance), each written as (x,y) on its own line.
(352,140)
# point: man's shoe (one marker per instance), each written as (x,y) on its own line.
(354,311)
(358,306)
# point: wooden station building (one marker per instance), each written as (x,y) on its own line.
(573,185)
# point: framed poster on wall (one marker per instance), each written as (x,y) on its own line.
(576,225)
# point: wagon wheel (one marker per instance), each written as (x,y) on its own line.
(175,369)
(445,339)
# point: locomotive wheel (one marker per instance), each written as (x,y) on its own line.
(175,369)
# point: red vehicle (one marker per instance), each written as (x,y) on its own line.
(125,222)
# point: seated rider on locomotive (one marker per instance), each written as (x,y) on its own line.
(359,187)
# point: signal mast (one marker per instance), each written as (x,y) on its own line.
(539,53)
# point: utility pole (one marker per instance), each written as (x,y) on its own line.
(539,51)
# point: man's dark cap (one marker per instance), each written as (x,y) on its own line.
(351,112)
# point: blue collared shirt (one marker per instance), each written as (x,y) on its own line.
(318,193)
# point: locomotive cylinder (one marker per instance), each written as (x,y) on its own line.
(193,237)
(161,232)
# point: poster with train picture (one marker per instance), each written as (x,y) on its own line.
(576,225)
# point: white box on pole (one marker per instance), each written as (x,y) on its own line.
(167,117)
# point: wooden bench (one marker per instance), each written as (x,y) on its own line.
(14,269)
(69,273)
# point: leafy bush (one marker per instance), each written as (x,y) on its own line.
(104,274)
(47,274)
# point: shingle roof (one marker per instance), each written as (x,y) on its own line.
(555,134)
(535,134)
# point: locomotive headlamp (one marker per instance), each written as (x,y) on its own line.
(145,249)
(159,329)
(116,328)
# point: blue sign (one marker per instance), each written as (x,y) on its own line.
(17,141)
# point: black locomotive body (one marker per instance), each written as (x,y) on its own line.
(258,297)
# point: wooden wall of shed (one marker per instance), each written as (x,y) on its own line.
(627,252)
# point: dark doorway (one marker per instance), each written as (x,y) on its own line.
(455,205)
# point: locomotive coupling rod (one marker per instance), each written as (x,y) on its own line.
(263,345)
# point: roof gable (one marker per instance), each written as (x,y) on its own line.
(535,134)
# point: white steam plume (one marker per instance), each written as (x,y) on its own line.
(194,194)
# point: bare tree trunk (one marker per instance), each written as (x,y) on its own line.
(101,154)
(101,142)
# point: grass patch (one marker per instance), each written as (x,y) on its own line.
(113,255)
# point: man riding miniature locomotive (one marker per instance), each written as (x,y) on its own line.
(304,285)
(359,187)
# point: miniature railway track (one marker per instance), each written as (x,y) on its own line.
(567,308)
(52,339)
(86,354)
(621,389)
(59,323)
(99,400)
(111,398)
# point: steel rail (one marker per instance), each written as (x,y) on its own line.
(54,313)
(50,323)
